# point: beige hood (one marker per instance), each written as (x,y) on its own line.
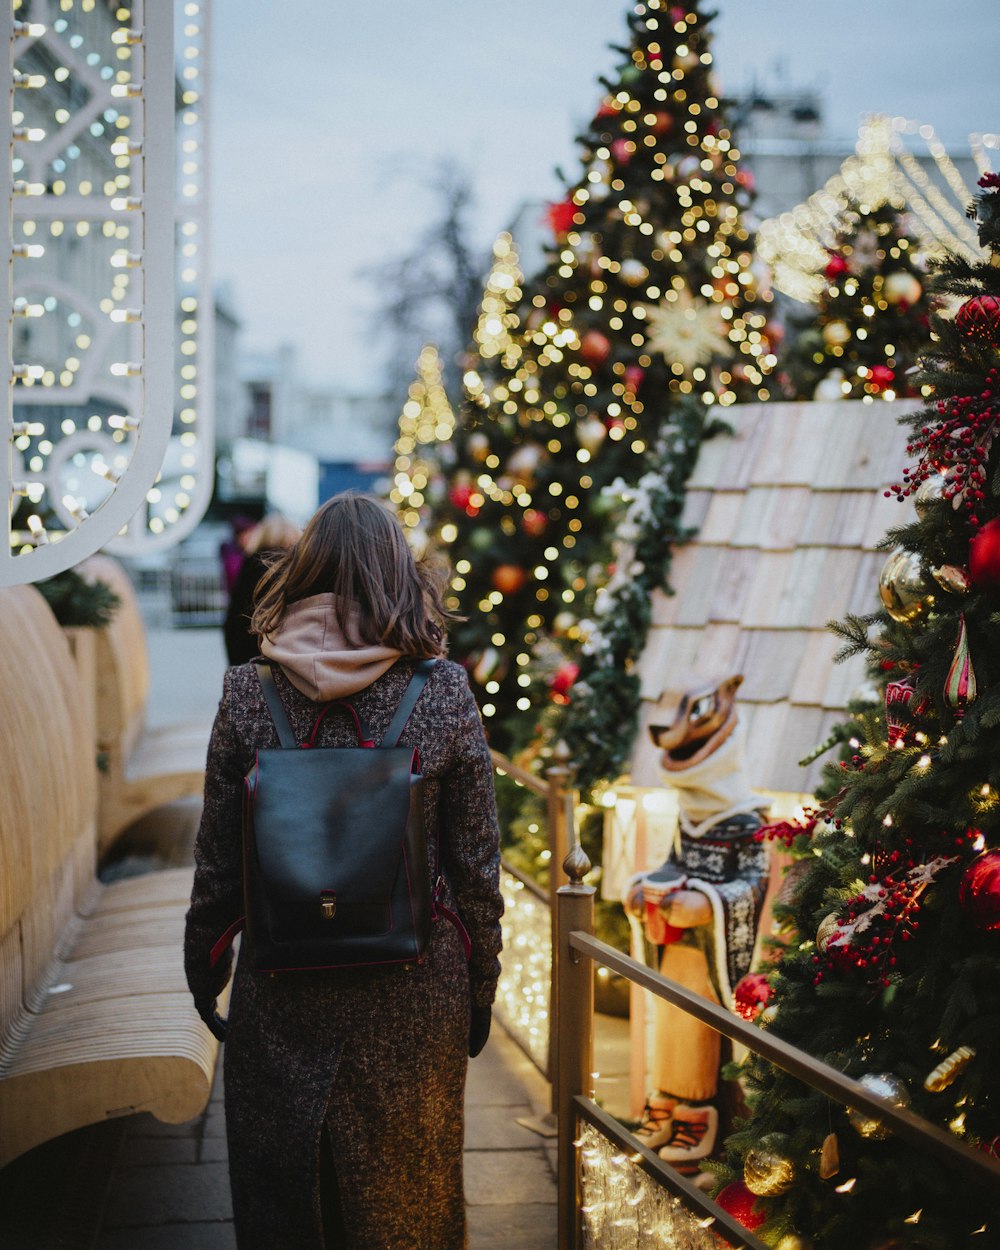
(317,658)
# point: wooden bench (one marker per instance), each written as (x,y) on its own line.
(95,1016)
(142,768)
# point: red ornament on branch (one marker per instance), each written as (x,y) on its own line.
(560,216)
(563,680)
(634,375)
(835,267)
(899,712)
(742,1205)
(595,347)
(534,523)
(960,685)
(622,150)
(509,578)
(460,495)
(979,891)
(984,556)
(881,377)
(751,995)
(979,318)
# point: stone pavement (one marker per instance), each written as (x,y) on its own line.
(170,1187)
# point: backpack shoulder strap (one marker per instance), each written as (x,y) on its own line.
(410,696)
(286,735)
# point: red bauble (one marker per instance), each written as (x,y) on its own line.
(622,150)
(677,14)
(560,216)
(663,123)
(534,523)
(881,377)
(979,891)
(460,494)
(742,1205)
(633,377)
(746,179)
(608,109)
(595,347)
(564,678)
(836,266)
(979,318)
(984,556)
(509,578)
(751,995)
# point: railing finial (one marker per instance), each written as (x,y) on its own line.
(577,864)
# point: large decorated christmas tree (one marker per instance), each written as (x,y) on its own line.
(891,972)
(871,324)
(644,324)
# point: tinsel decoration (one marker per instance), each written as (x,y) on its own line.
(948,1069)
(960,685)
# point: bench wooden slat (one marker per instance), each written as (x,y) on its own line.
(170,885)
(147,970)
(105,1059)
(144,768)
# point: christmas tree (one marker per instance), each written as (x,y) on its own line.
(425,423)
(892,969)
(872,320)
(643,324)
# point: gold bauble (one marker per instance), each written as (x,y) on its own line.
(951,578)
(591,433)
(902,587)
(929,492)
(901,286)
(892,1091)
(828,927)
(836,334)
(479,445)
(792,1241)
(633,272)
(768,1169)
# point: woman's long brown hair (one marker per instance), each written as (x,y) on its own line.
(355,549)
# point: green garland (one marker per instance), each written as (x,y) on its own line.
(600,723)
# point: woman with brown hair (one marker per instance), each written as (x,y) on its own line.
(344,1087)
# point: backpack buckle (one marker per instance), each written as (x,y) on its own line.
(328,904)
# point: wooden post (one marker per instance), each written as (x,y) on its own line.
(561,819)
(573,1025)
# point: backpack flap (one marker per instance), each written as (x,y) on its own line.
(353,894)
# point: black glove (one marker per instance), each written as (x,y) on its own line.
(479,1030)
(205,1008)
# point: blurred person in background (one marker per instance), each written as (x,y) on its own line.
(273,534)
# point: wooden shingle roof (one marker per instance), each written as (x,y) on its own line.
(788,511)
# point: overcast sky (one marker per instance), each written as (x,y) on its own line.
(325,112)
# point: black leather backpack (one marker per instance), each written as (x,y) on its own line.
(335,864)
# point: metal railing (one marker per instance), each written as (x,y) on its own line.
(561,802)
(576,951)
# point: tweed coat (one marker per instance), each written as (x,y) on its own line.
(377,1055)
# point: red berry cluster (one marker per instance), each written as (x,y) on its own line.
(786,831)
(958,445)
